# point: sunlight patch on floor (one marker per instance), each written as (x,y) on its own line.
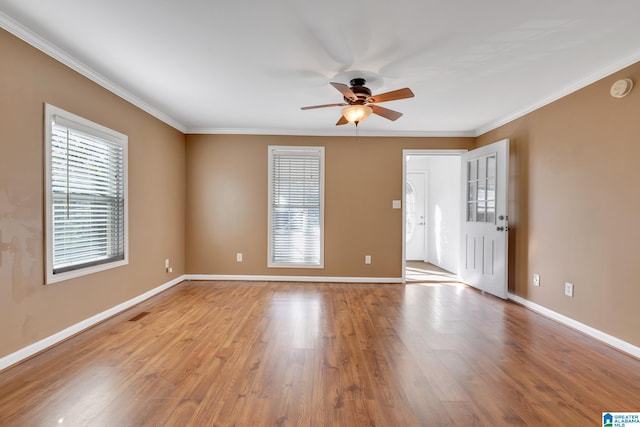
(429,275)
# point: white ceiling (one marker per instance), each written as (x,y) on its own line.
(247,66)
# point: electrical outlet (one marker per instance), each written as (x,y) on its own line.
(568,289)
(239,257)
(367,259)
(536,279)
(169,270)
(166,263)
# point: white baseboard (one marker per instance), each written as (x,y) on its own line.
(595,333)
(294,278)
(72,330)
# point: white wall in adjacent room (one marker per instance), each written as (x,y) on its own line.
(443,207)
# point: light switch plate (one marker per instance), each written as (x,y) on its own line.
(568,289)
(396,204)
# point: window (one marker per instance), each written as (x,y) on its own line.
(481,189)
(296,207)
(86,196)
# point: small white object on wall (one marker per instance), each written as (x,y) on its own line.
(621,88)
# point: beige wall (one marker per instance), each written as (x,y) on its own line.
(29,310)
(227,203)
(574,210)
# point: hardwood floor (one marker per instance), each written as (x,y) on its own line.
(424,272)
(286,354)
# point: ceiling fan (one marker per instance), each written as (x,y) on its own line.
(359,102)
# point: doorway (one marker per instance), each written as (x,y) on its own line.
(431,209)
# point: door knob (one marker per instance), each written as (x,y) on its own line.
(500,228)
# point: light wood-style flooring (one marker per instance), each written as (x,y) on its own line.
(425,272)
(290,354)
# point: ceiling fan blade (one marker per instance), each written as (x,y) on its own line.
(345,91)
(391,96)
(342,121)
(385,112)
(323,106)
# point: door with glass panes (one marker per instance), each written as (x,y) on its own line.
(484,246)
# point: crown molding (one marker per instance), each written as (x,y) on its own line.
(35,40)
(350,132)
(574,87)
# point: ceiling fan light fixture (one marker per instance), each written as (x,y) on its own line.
(356,113)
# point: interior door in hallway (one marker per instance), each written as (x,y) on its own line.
(415,228)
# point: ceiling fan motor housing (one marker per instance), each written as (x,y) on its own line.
(359,90)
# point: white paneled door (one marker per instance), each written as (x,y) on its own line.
(415,194)
(483,250)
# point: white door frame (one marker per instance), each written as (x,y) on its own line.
(405,153)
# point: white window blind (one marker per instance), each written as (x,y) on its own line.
(86,196)
(296,217)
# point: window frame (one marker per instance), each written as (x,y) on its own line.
(273,149)
(88,127)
